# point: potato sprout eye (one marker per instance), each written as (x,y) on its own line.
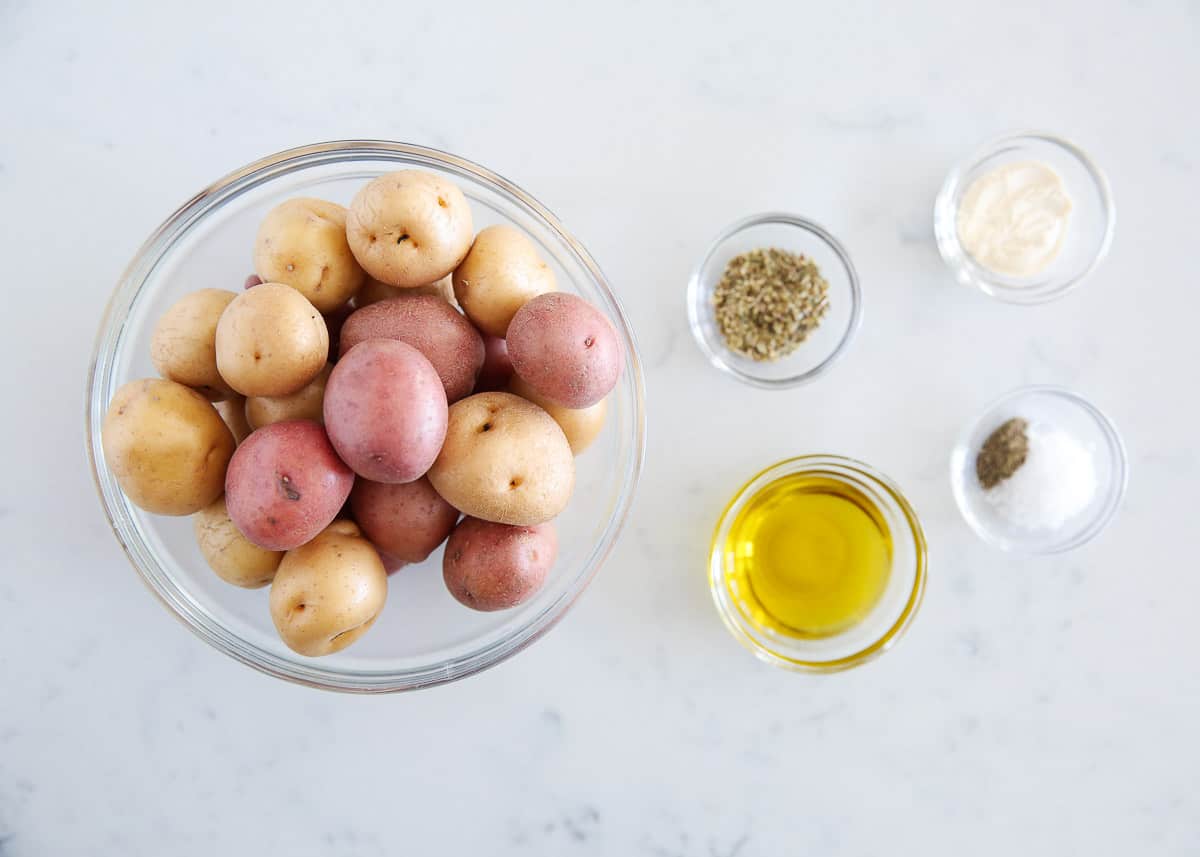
(402,238)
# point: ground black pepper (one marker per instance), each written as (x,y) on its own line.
(1003,453)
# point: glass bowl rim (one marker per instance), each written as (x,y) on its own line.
(142,556)
(1116,489)
(946,209)
(697,305)
(819,462)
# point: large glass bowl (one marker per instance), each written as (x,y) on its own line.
(423,637)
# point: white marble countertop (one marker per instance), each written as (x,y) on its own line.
(1043,706)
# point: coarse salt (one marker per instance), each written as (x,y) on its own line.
(1056,482)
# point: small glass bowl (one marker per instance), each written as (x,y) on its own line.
(1067,411)
(1089,232)
(423,637)
(824,345)
(886,622)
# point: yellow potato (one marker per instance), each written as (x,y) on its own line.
(304,404)
(409,228)
(167,446)
(374,291)
(302,243)
(327,593)
(504,460)
(233,411)
(501,273)
(183,347)
(231,555)
(271,341)
(581,426)
(443,288)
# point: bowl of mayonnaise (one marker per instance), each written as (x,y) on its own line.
(1025,219)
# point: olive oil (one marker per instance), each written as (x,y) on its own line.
(808,556)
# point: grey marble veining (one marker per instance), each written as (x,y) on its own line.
(1040,706)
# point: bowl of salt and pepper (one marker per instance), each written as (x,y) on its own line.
(775,301)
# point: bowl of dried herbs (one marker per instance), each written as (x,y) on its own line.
(775,301)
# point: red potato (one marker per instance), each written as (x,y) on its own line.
(386,411)
(391,564)
(497,368)
(565,349)
(252,281)
(285,484)
(431,326)
(405,522)
(491,566)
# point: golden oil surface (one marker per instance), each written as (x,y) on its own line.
(808,556)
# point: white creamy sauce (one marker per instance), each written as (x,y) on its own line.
(1013,220)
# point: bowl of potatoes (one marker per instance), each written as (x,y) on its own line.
(365,416)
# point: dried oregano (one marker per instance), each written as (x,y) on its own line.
(768,301)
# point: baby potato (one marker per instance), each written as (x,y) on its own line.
(167,446)
(565,349)
(581,426)
(504,460)
(334,319)
(304,404)
(183,346)
(374,291)
(327,593)
(233,411)
(391,564)
(443,288)
(501,273)
(231,555)
(385,411)
(285,484)
(405,522)
(409,228)
(497,368)
(491,566)
(431,326)
(302,243)
(270,341)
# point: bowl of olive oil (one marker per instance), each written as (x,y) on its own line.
(818,564)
